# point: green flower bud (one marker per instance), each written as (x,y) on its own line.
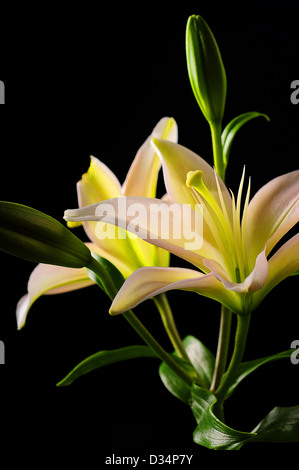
(35,236)
(205,69)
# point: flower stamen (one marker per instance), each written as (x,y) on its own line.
(220,225)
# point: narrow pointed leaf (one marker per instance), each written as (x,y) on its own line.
(32,235)
(104,358)
(231,130)
(248,367)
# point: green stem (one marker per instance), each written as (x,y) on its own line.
(105,280)
(216,130)
(163,306)
(240,342)
(155,346)
(223,346)
(226,315)
(111,290)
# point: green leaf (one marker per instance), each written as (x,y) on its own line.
(32,235)
(248,367)
(104,358)
(201,357)
(210,431)
(231,130)
(174,383)
(205,68)
(203,363)
(280,425)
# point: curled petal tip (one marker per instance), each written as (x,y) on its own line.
(22,310)
(112,312)
(69,214)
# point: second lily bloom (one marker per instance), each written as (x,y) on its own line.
(98,184)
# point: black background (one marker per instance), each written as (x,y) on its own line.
(95,80)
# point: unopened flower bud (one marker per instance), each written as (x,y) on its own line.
(32,235)
(205,69)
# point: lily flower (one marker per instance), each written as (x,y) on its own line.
(126,253)
(236,264)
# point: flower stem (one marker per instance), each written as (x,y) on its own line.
(107,283)
(155,346)
(226,315)
(216,130)
(163,306)
(240,342)
(222,349)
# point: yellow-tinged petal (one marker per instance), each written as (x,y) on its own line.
(217,222)
(165,224)
(272,212)
(281,265)
(148,282)
(50,279)
(142,176)
(177,162)
(252,283)
(99,183)
(119,252)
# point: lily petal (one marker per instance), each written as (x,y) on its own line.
(177,162)
(171,226)
(142,176)
(148,282)
(50,279)
(121,252)
(281,265)
(272,212)
(252,283)
(98,184)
